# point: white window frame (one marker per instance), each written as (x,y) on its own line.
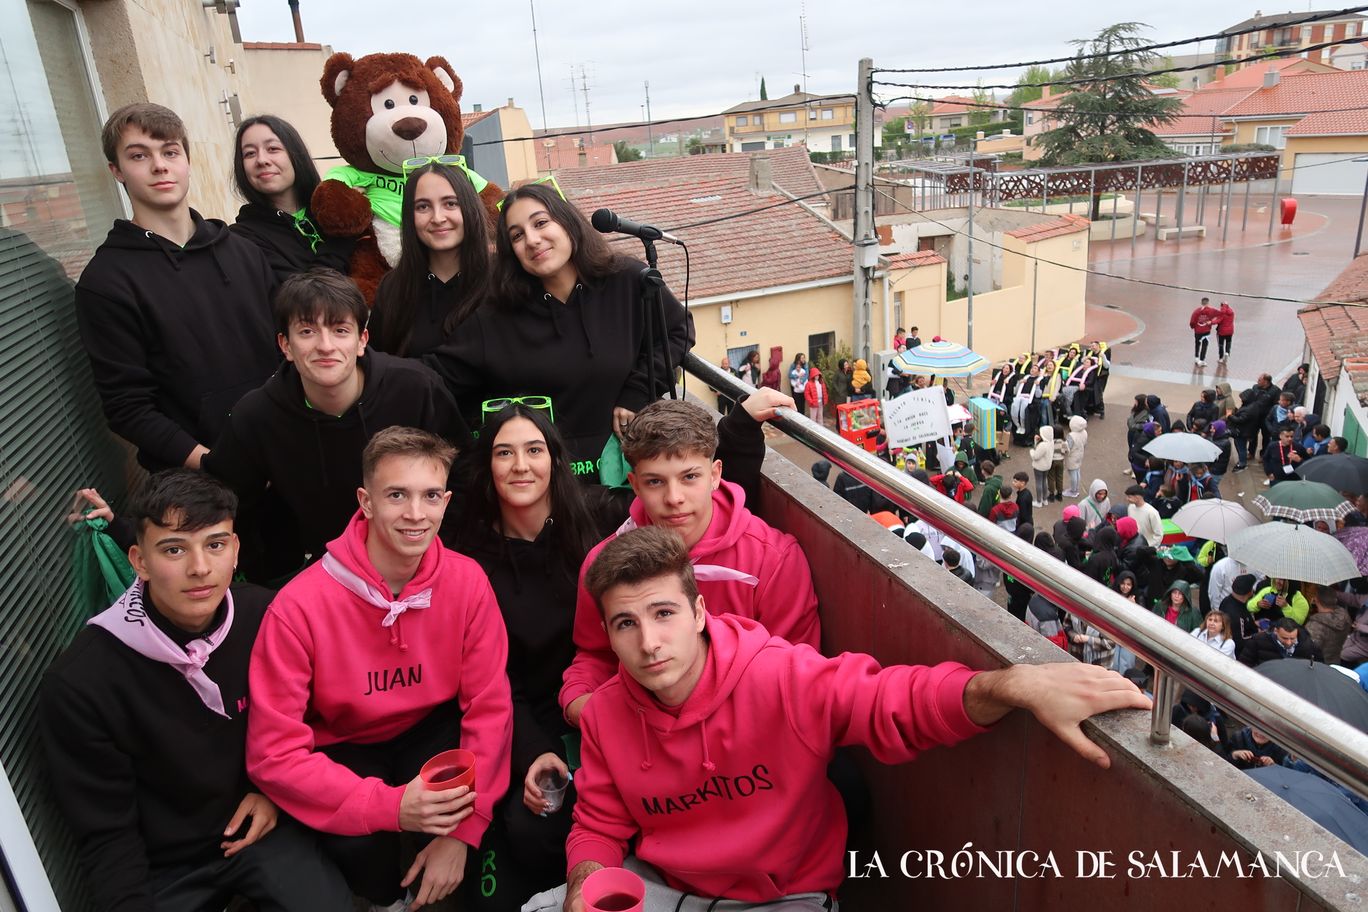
(788,117)
(828,113)
(742,121)
(1271,136)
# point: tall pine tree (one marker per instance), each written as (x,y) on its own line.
(1106,118)
(764,96)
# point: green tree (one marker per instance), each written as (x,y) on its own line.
(764,95)
(978,114)
(1025,92)
(695,145)
(1166,80)
(1106,117)
(626,153)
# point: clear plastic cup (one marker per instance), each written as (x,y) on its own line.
(553,786)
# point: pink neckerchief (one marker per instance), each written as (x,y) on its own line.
(127,620)
(367,591)
(704,573)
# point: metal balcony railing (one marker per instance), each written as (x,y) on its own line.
(1322,740)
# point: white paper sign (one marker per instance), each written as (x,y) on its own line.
(916,417)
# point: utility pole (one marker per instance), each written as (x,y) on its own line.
(650,140)
(574,99)
(536,50)
(802,28)
(969,279)
(865,240)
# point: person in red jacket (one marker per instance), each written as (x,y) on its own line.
(1202,321)
(1225,331)
(384,653)
(815,393)
(709,747)
(745,566)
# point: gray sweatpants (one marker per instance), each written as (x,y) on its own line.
(661,898)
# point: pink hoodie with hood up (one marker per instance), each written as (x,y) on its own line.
(324,671)
(781,598)
(728,796)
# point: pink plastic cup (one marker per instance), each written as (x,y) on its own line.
(448,770)
(613,890)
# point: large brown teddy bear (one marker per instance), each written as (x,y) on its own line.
(386,108)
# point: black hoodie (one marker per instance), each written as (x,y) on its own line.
(586,354)
(312,459)
(175,335)
(288,251)
(145,774)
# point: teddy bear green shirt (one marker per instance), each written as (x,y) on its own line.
(386,191)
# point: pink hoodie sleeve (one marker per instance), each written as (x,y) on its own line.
(602,824)
(281,759)
(896,712)
(486,706)
(594,660)
(788,603)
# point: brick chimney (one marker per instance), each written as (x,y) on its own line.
(761,178)
(1045,93)
(797,87)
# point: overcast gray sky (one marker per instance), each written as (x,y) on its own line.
(702,56)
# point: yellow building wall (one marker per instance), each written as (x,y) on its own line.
(519,157)
(284,82)
(923,291)
(1351,145)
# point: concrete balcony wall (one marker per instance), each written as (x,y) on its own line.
(1018,787)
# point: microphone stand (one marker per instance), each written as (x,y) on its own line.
(656,330)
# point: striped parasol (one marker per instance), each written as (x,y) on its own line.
(941,358)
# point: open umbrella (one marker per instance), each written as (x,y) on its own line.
(1174,534)
(1303,502)
(1291,552)
(1183,448)
(942,358)
(1322,685)
(1214,520)
(1318,799)
(1341,471)
(958,413)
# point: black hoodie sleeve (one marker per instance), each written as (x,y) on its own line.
(234,458)
(93,783)
(741,447)
(114,336)
(634,395)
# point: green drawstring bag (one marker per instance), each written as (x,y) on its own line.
(102,571)
(613,466)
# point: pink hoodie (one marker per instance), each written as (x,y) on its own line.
(783,599)
(744,762)
(324,671)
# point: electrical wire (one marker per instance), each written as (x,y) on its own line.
(1139,74)
(1047,111)
(1314,17)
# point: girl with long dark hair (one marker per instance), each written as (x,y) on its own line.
(275,175)
(566,325)
(444,269)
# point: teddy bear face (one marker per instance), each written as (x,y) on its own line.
(392,107)
(403,125)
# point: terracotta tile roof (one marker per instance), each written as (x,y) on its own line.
(914,258)
(791,168)
(1327,123)
(1306,92)
(1065,224)
(1252,76)
(282,46)
(952,104)
(780,246)
(1200,113)
(473,117)
(563,152)
(1045,103)
(1336,329)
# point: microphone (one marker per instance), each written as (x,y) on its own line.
(607,221)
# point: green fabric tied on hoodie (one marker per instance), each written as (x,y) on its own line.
(386,191)
(613,466)
(103,572)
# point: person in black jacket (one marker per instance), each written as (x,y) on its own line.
(302,433)
(276,176)
(529,525)
(144,722)
(174,310)
(1204,408)
(567,324)
(1287,640)
(444,269)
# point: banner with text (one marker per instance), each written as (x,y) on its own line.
(916,417)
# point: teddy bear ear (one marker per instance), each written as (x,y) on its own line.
(445,75)
(336,72)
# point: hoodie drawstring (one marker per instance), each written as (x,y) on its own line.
(397,635)
(708,765)
(645,739)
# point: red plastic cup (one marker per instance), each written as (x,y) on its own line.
(448,770)
(613,890)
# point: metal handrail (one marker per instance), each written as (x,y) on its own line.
(1324,741)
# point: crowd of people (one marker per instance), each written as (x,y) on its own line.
(372,535)
(1120,541)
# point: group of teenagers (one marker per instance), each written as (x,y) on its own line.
(351,557)
(1038,390)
